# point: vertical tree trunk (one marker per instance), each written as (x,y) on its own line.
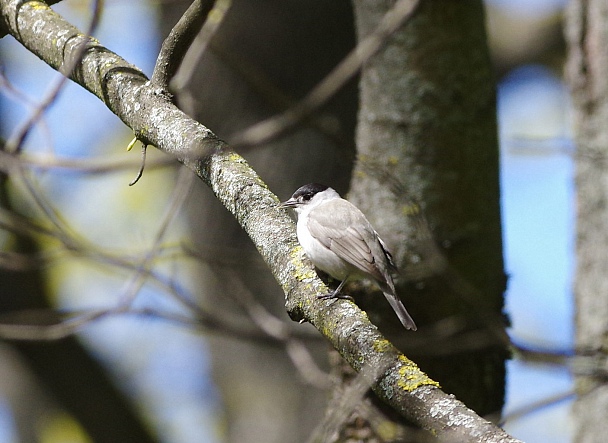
(427,134)
(587,70)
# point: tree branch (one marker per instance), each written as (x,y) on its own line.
(4,30)
(277,125)
(125,91)
(178,42)
(17,140)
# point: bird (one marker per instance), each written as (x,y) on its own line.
(339,240)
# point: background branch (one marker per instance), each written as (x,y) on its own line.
(277,125)
(178,42)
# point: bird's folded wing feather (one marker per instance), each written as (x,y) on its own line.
(344,230)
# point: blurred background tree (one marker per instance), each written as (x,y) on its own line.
(587,70)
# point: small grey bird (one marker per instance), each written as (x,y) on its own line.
(339,240)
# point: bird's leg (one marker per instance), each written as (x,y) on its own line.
(336,293)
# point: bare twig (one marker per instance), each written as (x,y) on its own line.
(193,57)
(178,42)
(144,149)
(172,52)
(277,98)
(30,104)
(275,126)
(177,199)
(49,325)
(543,403)
(86,166)
(45,324)
(344,403)
(278,329)
(15,142)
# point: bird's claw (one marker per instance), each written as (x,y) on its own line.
(333,295)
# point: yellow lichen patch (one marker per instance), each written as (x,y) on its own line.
(392,160)
(388,430)
(382,345)
(360,174)
(234,157)
(364,314)
(301,272)
(412,209)
(411,377)
(38,5)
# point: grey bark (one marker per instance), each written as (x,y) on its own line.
(587,72)
(427,177)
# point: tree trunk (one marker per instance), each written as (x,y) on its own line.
(587,70)
(427,177)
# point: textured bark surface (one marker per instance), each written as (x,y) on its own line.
(428,159)
(587,72)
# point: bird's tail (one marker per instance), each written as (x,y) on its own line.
(404,316)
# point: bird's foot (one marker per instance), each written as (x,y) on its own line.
(335,295)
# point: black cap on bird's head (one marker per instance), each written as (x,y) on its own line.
(309,191)
(304,194)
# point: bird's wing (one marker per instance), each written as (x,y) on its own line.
(391,262)
(344,230)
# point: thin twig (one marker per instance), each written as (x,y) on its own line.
(178,42)
(280,124)
(277,329)
(344,403)
(535,406)
(15,143)
(100,165)
(49,325)
(177,199)
(144,148)
(191,61)
(12,92)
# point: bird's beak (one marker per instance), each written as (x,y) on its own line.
(291,203)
